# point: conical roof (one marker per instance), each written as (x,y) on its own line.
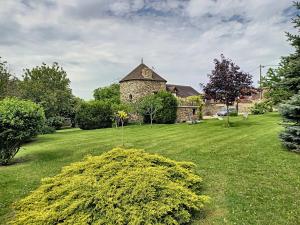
(137,74)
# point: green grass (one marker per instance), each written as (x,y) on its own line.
(250,177)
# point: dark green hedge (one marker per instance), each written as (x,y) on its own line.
(168,113)
(94,115)
(20,120)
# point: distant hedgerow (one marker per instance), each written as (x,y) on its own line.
(118,187)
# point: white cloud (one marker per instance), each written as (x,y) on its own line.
(98,42)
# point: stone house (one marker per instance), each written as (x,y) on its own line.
(143,81)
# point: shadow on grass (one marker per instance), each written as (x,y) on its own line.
(16,161)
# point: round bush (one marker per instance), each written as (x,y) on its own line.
(118,187)
(168,113)
(261,108)
(94,115)
(20,120)
(56,122)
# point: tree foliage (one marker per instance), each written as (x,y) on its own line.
(148,106)
(168,112)
(94,115)
(275,92)
(290,111)
(122,186)
(19,121)
(8,83)
(290,72)
(110,93)
(49,87)
(226,82)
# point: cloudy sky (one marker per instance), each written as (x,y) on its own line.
(100,41)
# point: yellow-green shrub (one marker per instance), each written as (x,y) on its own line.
(119,187)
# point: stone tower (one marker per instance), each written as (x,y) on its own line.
(140,82)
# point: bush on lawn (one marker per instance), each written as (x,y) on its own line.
(168,112)
(262,107)
(47,130)
(119,187)
(94,115)
(56,122)
(20,120)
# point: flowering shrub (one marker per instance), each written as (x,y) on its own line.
(122,186)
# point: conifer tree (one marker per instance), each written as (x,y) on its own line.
(290,110)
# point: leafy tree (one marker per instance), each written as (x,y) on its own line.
(50,87)
(20,120)
(110,93)
(8,83)
(226,82)
(149,106)
(168,112)
(275,93)
(290,71)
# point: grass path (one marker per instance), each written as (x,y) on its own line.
(250,177)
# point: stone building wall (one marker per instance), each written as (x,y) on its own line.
(133,90)
(187,113)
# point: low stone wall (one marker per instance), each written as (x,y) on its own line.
(187,113)
(212,108)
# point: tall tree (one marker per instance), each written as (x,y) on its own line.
(110,93)
(290,71)
(50,87)
(275,92)
(226,82)
(8,83)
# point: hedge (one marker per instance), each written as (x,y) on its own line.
(94,115)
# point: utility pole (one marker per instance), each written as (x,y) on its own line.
(260,85)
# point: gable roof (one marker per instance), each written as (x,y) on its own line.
(136,74)
(182,91)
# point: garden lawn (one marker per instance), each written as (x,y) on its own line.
(249,176)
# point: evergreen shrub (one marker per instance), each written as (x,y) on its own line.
(94,115)
(290,112)
(168,113)
(20,121)
(122,186)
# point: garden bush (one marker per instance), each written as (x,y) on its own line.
(94,115)
(56,122)
(20,121)
(47,130)
(262,107)
(168,112)
(122,186)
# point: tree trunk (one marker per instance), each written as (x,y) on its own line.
(227,124)
(122,132)
(151,119)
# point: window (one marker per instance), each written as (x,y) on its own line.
(130,97)
(194,111)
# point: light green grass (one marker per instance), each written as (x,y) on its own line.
(249,176)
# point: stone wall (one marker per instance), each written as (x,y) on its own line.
(133,90)
(187,113)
